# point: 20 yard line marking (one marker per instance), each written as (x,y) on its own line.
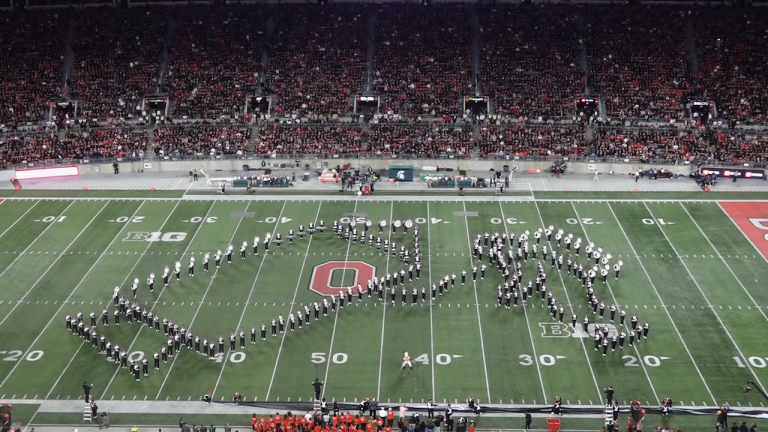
(527,323)
(293,303)
(570,303)
(336,318)
(118,235)
(173,210)
(477,307)
(610,290)
(38,281)
(384,307)
(695,282)
(669,315)
(205,294)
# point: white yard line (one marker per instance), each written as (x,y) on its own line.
(527,323)
(42,332)
(571,305)
(173,210)
(336,318)
(477,307)
(207,289)
(669,315)
(610,290)
(431,320)
(20,218)
(695,282)
(50,224)
(290,310)
(384,308)
(118,235)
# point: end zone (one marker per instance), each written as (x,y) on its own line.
(752,220)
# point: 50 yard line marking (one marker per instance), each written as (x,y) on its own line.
(290,311)
(338,312)
(208,288)
(79,347)
(38,281)
(384,306)
(610,290)
(173,210)
(695,282)
(527,323)
(658,295)
(477,306)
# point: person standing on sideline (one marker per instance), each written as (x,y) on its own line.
(87,391)
(527,421)
(116,167)
(318,385)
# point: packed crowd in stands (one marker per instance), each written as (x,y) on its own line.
(215,60)
(423,58)
(321,139)
(419,140)
(318,57)
(529,59)
(523,141)
(201,140)
(639,60)
(116,57)
(731,50)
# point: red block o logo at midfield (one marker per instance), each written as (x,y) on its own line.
(320,282)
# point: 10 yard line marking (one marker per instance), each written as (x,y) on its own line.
(695,282)
(674,326)
(20,218)
(38,281)
(723,260)
(205,294)
(162,290)
(290,311)
(384,306)
(431,325)
(118,235)
(527,323)
(338,312)
(568,299)
(477,306)
(610,290)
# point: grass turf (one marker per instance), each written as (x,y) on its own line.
(704,310)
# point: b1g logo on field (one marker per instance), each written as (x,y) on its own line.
(323,274)
(141,236)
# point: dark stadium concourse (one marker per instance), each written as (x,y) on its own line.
(650,82)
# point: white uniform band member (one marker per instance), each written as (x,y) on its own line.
(407,361)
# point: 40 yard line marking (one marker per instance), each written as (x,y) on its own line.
(133,342)
(695,282)
(336,318)
(293,303)
(207,289)
(38,281)
(610,290)
(527,323)
(658,295)
(384,307)
(477,306)
(118,235)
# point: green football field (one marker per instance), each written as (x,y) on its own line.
(688,269)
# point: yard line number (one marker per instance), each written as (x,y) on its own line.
(582,221)
(135,219)
(508,221)
(198,219)
(648,221)
(283,219)
(649,360)
(234,356)
(49,219)
(755,362)
(441,359)
(16,355)
(543,360)
(320,357)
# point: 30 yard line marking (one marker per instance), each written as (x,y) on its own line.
(336,318)
(20,218)
(118,235)
(570,303)
(669,315)
(610,290)
(135,338)
(207,289)
(746,291)
(38,281)
(527,323)
(290,310)
(384,306)
(695,282)
(431,322)
(477,307)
